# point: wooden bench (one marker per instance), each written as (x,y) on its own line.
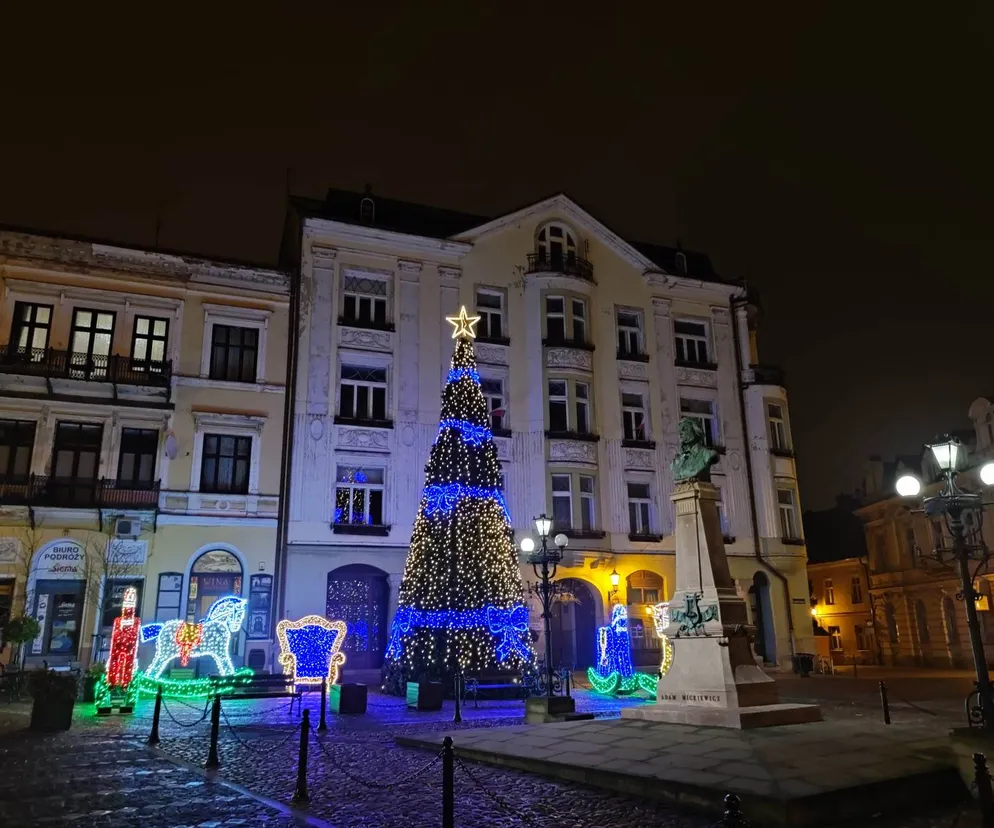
(265,686)
(474,685)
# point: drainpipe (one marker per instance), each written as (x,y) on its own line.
(757,547)
(878,648)
(289,411)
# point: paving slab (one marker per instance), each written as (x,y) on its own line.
(822,773)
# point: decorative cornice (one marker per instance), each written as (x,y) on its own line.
(362,236)
(212,419)
(236,312)
(409,266)
(323,254)
(662,305)
(449,273)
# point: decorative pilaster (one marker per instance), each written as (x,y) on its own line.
(317,320)
(409,339)
(448,295)
(669,407)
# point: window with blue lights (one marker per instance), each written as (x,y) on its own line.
(359,497)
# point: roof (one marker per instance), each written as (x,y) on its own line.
(439,223)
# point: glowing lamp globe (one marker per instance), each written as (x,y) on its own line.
(946,453)
(527,545)
(543,526)
(987,474)
(561,540)
(615,579)
(908,485)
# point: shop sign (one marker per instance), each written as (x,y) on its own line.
(62,560)
(41,615)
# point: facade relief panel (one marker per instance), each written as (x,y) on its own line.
(362,439)
(363,339)
(572,451)
(569,358)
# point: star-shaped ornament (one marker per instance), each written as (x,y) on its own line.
(463,324)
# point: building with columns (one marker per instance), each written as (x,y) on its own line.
(141,422)
(590,349)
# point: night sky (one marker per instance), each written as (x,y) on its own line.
(837,158)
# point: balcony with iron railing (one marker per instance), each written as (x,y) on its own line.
(50,364)
(78,493)
(565,265)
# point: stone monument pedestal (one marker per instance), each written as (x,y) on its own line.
(714,679)
(544,709)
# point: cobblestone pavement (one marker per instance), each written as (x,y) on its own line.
(100,774)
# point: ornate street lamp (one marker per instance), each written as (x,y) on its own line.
(545,589)
(615,580)
(963,513)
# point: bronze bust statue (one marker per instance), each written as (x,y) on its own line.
(694,459)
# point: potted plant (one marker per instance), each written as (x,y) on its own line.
(19,631)
(90,680)
(54,696)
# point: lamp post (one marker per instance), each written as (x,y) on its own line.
(545,589)
(615,580)
(963,513)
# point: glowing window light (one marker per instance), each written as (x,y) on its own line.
(310,649)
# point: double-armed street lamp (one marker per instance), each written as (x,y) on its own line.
(963,512)
(545,589)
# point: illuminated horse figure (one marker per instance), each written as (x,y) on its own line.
(614,673)
(211,637)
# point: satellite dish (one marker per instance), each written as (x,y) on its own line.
(172,447)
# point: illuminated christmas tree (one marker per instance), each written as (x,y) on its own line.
(461,604)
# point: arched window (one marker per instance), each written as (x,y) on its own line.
(891,622)
(555,246)
(949,620)
(681,263)
(217,573)
(921,621)
(645,589)
(367,211)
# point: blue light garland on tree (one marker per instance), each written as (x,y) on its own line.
(461,604)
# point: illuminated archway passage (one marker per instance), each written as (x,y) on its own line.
(614,673)
(309,649)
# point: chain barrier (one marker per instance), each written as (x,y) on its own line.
(915,706)
(374,785)
(527,819)
(254,714)
(269,746)
(176,721)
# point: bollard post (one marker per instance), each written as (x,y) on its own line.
(457,682)
(213,760)
(300,796)
(153,737)
(733,814)
(982,779)
(323,724)
(448,785)
(884,703)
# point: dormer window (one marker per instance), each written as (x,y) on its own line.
(556,246)
(681,263)
(367,211)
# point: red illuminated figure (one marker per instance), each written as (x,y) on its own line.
(124,643)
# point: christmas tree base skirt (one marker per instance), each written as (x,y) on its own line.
(425,695)
(347,698)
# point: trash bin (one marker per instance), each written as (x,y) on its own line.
(804,663)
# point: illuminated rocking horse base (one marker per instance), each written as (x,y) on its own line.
(713,680)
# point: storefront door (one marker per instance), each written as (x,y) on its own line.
(59,609)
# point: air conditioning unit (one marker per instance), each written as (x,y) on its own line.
(127,528)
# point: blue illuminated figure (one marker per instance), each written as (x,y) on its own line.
(614,673)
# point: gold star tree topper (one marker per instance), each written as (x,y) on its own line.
(463,324)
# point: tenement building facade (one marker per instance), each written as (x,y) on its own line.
(590,350)
(141,422)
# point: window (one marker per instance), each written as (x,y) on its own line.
(856,589)
(582,391)
(234,353)
(579,320)
(364,300)
(555,318)
(691,342)
(167,600)
(909,538)
(30,329)
(562,501)
(789,527)
(829,592)
(835,635)
(949,619)
(633,417)
(363,393)
(77,452)
(558,406)
(359,496)
(139,449)
(90,343)
(588,513)
(148,345)
(556,246)
(703,412)
(680,263)
(490,309)
(778,427)
(644,587)
(225,464)
(114,598)
(938,536)
(629,333)
(639,509)
(861,638)
(17,438)
(921,621)
(726,530)
(891,622)
(493,393)
(6,601)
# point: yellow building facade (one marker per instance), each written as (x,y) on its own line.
(842,606)
(141,422)
(590,349)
